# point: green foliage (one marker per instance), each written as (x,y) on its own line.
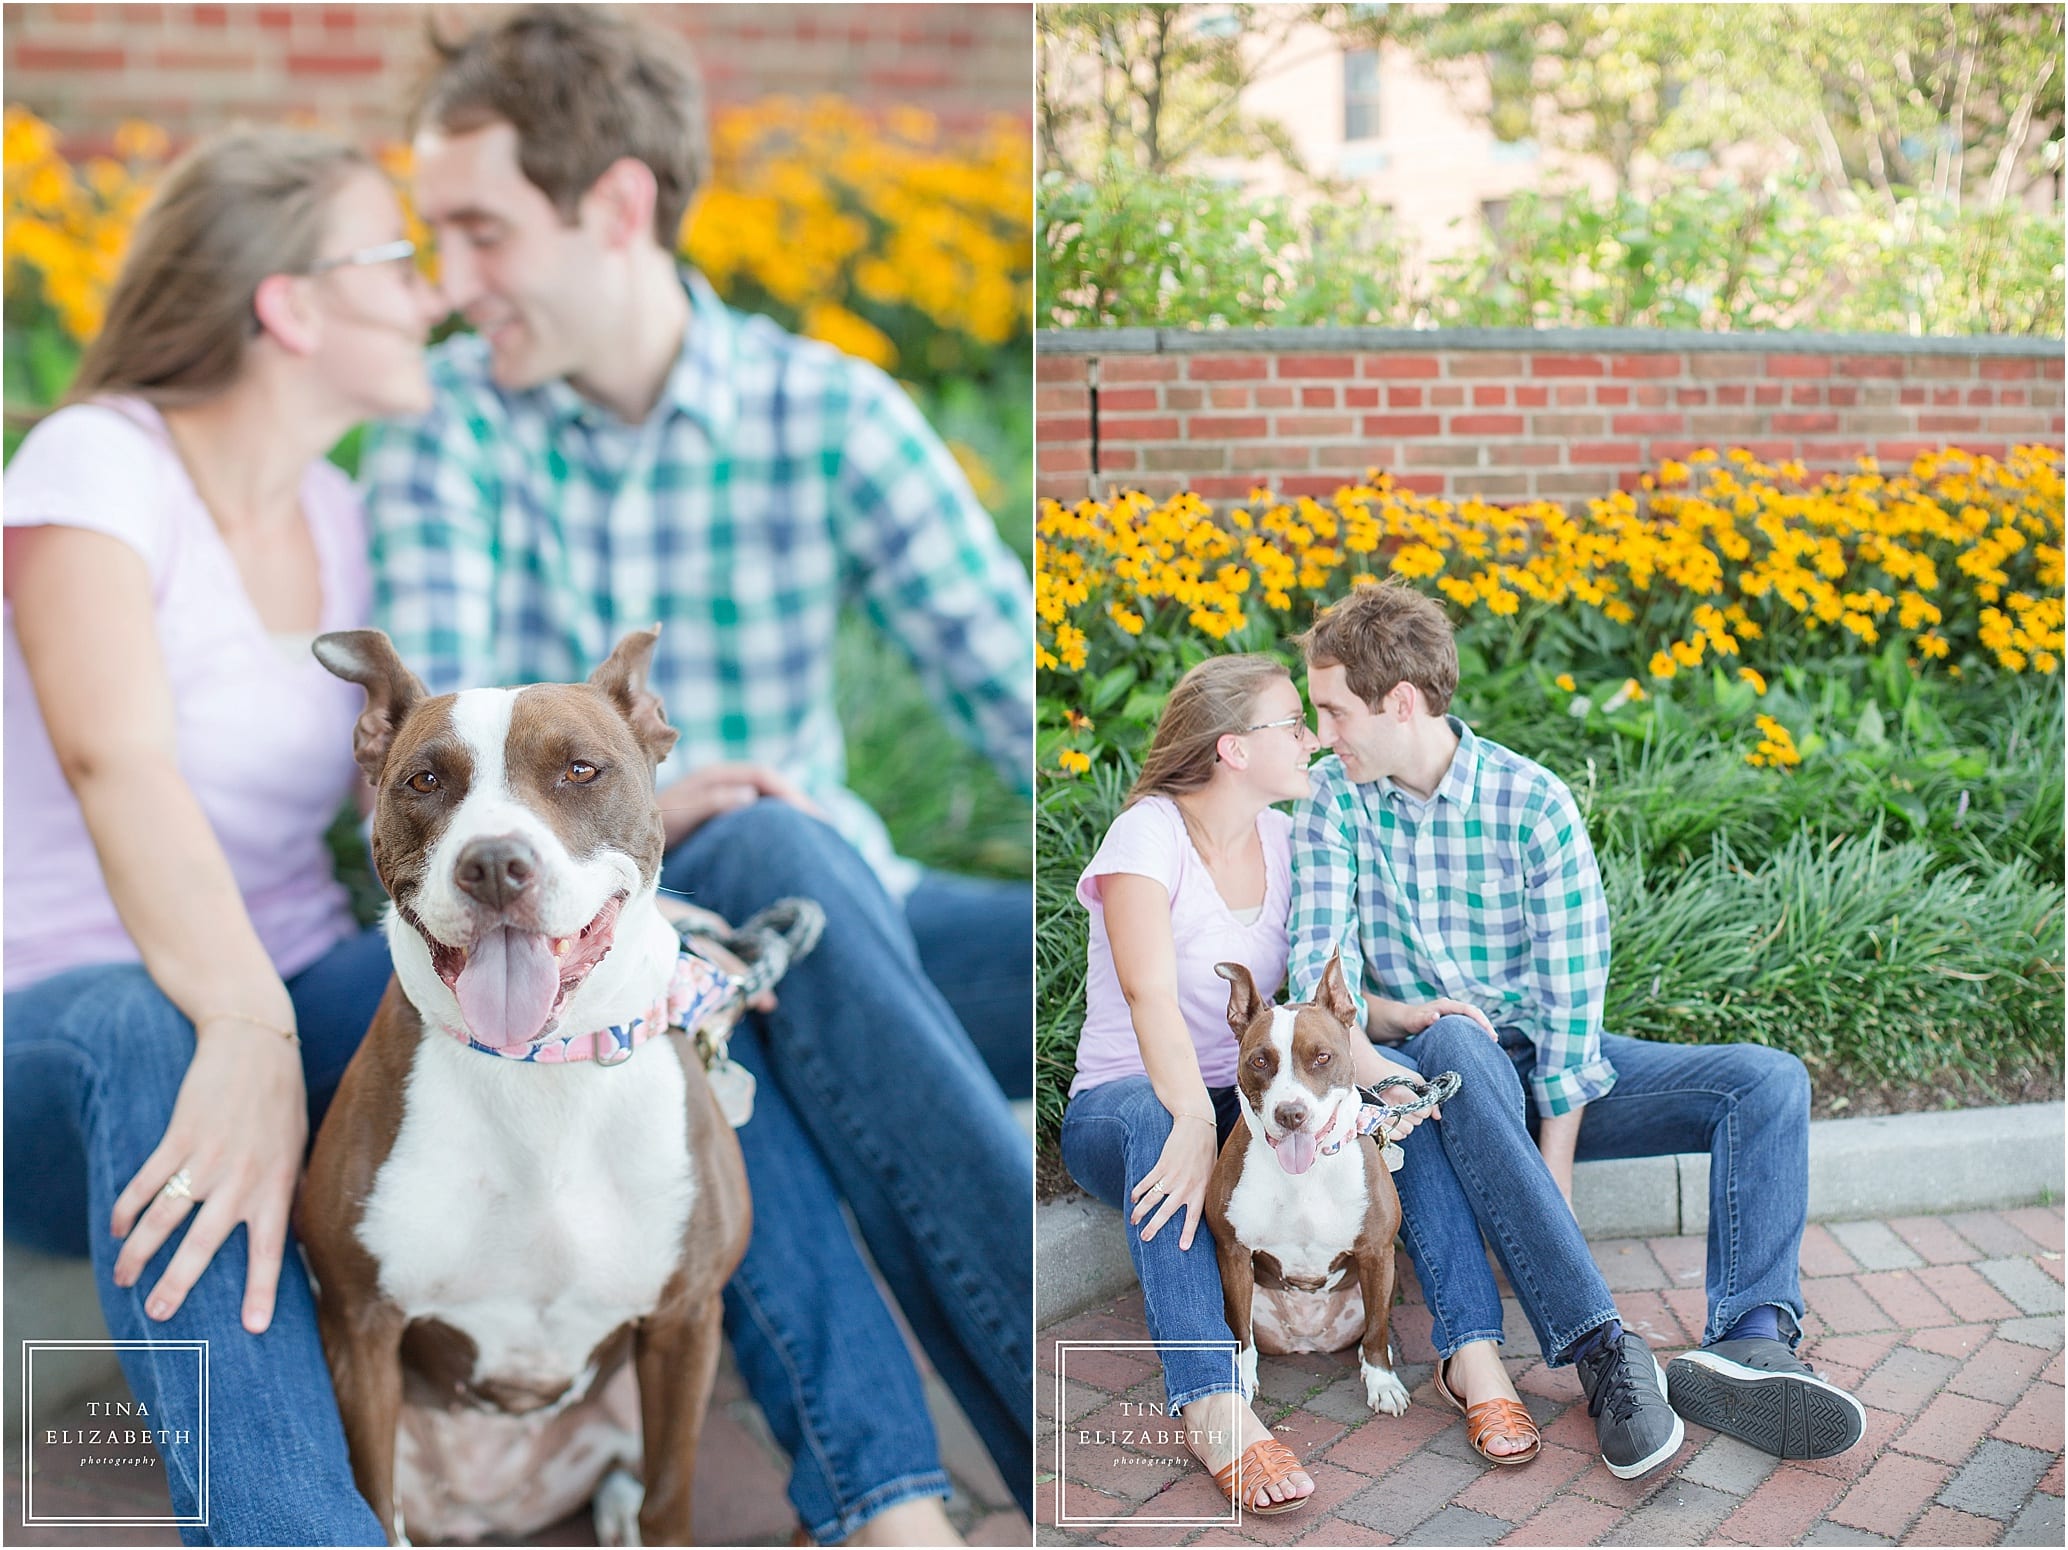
(1169,252)
(1173,251)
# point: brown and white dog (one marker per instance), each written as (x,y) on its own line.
(1301,1206)
(493,1238)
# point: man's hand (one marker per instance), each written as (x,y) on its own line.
(700,930)
(1375,1071)
(723,788)
(1393,1021)
(1557,1135)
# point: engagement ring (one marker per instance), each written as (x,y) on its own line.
(179,1187)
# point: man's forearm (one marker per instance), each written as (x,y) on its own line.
(1378,1017)
(1557,1136)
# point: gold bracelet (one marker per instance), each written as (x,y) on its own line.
(251,1022)
(1203,1119)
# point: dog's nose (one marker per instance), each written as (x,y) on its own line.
(1290,1115)
(495,870)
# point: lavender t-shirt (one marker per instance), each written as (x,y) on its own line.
(264,733)
(1150,840)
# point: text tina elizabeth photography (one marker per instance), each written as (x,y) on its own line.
(1548,806)
(519,738)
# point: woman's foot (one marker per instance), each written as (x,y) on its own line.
(1474,1375)
(1219,1428)
(920,1520)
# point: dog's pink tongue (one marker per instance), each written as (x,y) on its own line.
(506,990)
(1295,1151)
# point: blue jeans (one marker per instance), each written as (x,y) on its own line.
(975,937)
(867,1078)
(94,1059)
(1745,1105)
(1112,1136)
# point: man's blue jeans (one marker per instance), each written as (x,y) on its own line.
(94,1058)
(1478,1169)
(1112,1136)
(869,1090)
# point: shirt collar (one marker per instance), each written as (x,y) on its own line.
(1459,781)
(701,383)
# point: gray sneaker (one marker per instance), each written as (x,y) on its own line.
(1762,1393)
(1626,1395)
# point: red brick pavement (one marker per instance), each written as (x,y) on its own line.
(1958,1359)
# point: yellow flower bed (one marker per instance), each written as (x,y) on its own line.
(68,225)
(814,207)
(1960,555)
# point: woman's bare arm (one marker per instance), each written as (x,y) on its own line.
(83,616)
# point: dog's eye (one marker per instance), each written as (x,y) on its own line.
(581,772)
(1322,1058)
(423,783)
(1259,1063)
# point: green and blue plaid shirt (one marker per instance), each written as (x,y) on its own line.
(1487,893)
(517,535)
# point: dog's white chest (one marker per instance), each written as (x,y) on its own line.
(1302,1220)
(535,1210)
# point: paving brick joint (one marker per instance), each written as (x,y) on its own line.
(1948,1328)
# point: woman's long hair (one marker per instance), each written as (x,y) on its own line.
(239,206)
(1212,700)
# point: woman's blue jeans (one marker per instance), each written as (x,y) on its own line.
(1478,1169)
(1112,1136)
(94,1058)
(871,1091)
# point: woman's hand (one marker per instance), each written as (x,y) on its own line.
(237,1132)
(1178,1180)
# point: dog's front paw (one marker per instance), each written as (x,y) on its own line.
(1246,1372)
(615,1508)
(1383,1391)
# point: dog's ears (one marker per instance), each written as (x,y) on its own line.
(367,658)
(1334,995)
(1244,1004)
(622,679)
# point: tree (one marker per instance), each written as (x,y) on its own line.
(1158,85)
(1951,101)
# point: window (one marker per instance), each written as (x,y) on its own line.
(1361,94)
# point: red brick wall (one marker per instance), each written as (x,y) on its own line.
(1509,425)
(191,68)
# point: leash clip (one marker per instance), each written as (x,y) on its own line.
(1372,1115)
(766,946)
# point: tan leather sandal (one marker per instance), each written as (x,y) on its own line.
(1263,1463)
(1492,1418)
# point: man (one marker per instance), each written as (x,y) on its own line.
(611,446)
(1444,866)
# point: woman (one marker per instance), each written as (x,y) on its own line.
(1195,870)
(184,979)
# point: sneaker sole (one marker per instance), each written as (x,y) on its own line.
(1652,1461)
(1782,1413)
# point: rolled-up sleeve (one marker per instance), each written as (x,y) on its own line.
(935,576)
(1569,938)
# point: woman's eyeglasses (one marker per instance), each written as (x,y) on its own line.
(1295,720)
(385,253)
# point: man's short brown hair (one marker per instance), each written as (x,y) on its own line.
(582,87)
(1385,636)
